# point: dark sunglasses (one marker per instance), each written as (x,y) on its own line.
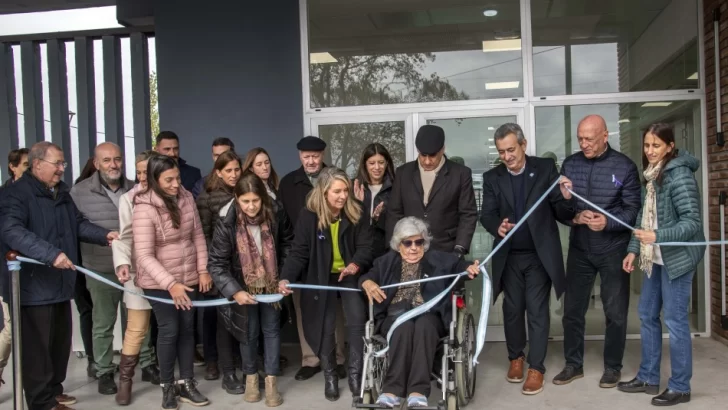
(407,243)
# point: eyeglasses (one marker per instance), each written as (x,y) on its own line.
(59,164)
(407,243)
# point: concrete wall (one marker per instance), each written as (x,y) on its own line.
(230,69)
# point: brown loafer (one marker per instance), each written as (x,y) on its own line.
(534,382)
(65,399)
(515,372)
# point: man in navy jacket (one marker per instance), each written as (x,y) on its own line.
(40,221)
(167,143)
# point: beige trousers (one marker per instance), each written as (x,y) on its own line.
(6,338)
(308,357)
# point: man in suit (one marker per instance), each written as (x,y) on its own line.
(531,262)
(438,191)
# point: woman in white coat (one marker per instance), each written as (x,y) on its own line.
(139,311)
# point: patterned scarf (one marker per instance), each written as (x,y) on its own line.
(649,214)
(260,272)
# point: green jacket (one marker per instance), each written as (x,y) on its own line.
(678,217)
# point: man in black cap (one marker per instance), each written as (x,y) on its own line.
(437,190)
(293,189)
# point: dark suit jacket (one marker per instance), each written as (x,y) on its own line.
(498,204)
(451,211)
(292,192)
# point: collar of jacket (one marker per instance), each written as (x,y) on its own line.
(601,157)
(302,178)
(41,189)
(97,184)
(386,184)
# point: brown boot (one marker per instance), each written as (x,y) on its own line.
(534,382)
(126,373)
(272,397)
(515,372)
(252,390)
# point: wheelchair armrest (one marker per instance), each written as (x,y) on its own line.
(381,339)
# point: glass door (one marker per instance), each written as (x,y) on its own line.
(469,141)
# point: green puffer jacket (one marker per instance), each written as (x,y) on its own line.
(678,217)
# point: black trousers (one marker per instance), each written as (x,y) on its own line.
(411,354)
(526,288)
(354,308)
(209,332)
(581,271)
(84,305)
(46,337)
(176,339)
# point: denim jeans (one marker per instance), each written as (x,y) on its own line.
(266,318)
(672,297)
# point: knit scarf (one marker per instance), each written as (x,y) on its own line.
(649,215)
(260,271)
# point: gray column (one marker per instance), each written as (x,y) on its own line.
(8,110)
(32,93)
(58,100)
(140,92)
(113,94)
(86,98)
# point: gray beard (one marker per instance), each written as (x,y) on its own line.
(110,181)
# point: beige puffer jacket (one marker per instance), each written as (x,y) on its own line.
(164,255)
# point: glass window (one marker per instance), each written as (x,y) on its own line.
(403,51)
(556,136)
(582,47)
(346,142)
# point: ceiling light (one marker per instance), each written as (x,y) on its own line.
(490,13)
(614,133)
(502,85)
(490,139)
(502,45)
(694,76)
(321,58)
(491,129)
(491,146)
(624,121)
(493,153)
(657,104)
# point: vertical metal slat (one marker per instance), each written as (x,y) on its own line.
(86,98)
(32,92)
(8,109)
(140,92)
(58,100)
(113,94)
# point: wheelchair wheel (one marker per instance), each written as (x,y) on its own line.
(378,370)
(465,371)
(367,398)
(452,402)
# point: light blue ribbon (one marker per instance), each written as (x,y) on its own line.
(15,265)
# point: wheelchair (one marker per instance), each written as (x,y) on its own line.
(453,369)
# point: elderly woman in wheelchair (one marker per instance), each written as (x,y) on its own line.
(413,345)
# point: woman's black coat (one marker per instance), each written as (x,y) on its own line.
(223,263)
(379,227)
(387,270)
(310,261)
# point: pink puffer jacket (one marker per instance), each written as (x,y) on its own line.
(164,255)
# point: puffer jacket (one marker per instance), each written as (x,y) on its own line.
(678,217)
(165,255)
(209,205)
(612,182)
(96,206)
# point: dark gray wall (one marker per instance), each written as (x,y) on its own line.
(230,69)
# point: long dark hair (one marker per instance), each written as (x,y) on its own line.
(370,151)
(88,170)
(252,183)
(214,182)
(273,180)
(155,167)
(666,133)
(14,158)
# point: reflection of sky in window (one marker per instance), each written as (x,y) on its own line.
(593,69)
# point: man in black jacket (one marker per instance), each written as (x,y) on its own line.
(293,190)
(610,180)
(531,261)
(40,221)
(438,191)
(167,143)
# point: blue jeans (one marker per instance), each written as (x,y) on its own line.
(672,297)
(266,318)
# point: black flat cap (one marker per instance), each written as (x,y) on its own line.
(430,139)
(311,144)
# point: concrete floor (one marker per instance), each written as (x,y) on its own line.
(710,361)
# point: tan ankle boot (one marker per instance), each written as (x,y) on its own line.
(252,390)
(272,397)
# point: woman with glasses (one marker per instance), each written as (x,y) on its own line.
(331,246)
(413,344)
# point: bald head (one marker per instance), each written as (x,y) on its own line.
(110,163)
(592,135)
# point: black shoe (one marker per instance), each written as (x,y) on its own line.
(568,375)
(341,371)
(232,385)
(331,386)
(151,374)
(107,385)
(610,378)
(670,398)
(91,370)
(198,360)
(638,386)
(306,372)
(212,372)
(169,397)
(188,393)
(283,361)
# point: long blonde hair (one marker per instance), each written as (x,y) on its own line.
(316,200)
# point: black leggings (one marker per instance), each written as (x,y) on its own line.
(355,315)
